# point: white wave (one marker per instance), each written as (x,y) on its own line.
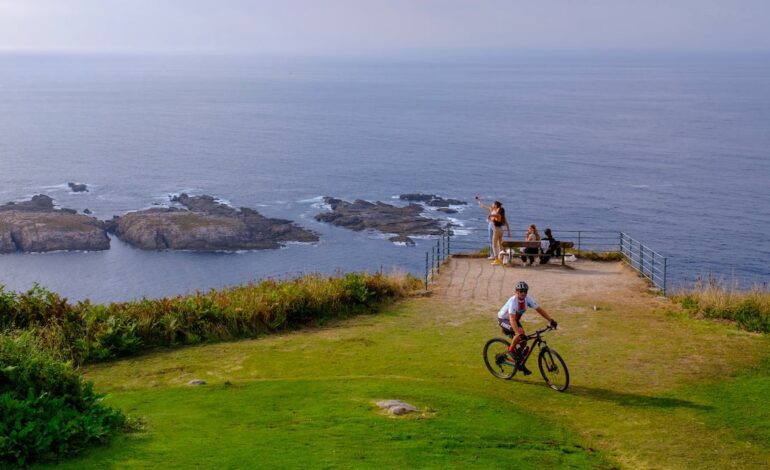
(55,187)
(312,200)
(300,243)
(225,202)
(423,237)
(456,222)
(461,232)
(188,191)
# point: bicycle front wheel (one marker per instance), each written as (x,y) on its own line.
(497,358)
(553,369)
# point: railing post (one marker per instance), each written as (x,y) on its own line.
(641,258)
(578,241)
(438,257)
(448,245)
(426,270)
(652,270)
(432,261)
(620,242)
(664,277)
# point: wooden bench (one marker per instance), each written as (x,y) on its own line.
(510,244)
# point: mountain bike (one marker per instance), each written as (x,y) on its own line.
(502,364)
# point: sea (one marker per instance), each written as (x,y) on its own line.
(672,149)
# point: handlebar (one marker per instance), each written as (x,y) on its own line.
(540,332)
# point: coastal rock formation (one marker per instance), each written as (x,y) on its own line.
(36,226)
(204,224)
(402,240)
(431,200)
(385,218)
(78,187)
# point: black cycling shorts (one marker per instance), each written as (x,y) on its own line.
(505,324)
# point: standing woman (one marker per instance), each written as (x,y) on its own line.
(499,221)
(532,236)
(491,213)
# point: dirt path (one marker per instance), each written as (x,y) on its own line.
(477,281)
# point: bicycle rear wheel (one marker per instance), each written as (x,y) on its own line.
(553,369)
(498,360)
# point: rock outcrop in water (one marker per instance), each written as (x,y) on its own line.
(431,200)
(205,225)
(78,187)
(385,218)
(36,226)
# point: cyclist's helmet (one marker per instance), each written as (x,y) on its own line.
(522,286)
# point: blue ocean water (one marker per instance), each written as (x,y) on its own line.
(672,150)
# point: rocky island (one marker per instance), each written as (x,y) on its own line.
(431,200)
(78,187)
(204,224)
(36,226)
(364,215)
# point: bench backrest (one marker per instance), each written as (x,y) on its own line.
(528,244)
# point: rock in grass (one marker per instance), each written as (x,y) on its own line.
(396,407)
(196,382)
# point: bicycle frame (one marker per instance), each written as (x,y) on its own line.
(538,341)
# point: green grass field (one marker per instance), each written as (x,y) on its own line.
(650,388)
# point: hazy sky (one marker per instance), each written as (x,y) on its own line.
(359,27)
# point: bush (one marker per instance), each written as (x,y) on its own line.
(599,255)
(47,412)
(87,332)
(711,298)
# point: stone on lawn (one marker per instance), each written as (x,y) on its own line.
(396,407)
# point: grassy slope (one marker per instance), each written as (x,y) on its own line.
(650,389)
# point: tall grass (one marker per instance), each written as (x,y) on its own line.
(713,298)
(86,332)
(598,255)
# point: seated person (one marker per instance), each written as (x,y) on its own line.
(549,246)
(532,236)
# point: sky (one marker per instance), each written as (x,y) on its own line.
(374,27)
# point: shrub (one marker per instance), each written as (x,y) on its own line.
(46,410)
(711,298)
(87,332)
(599,255)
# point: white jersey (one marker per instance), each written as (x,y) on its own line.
(514,306)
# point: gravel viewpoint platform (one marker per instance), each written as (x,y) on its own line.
(477,281)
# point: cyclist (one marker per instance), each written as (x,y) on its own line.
(509,318)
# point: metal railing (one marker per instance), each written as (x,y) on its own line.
(646,261)
(440,251)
